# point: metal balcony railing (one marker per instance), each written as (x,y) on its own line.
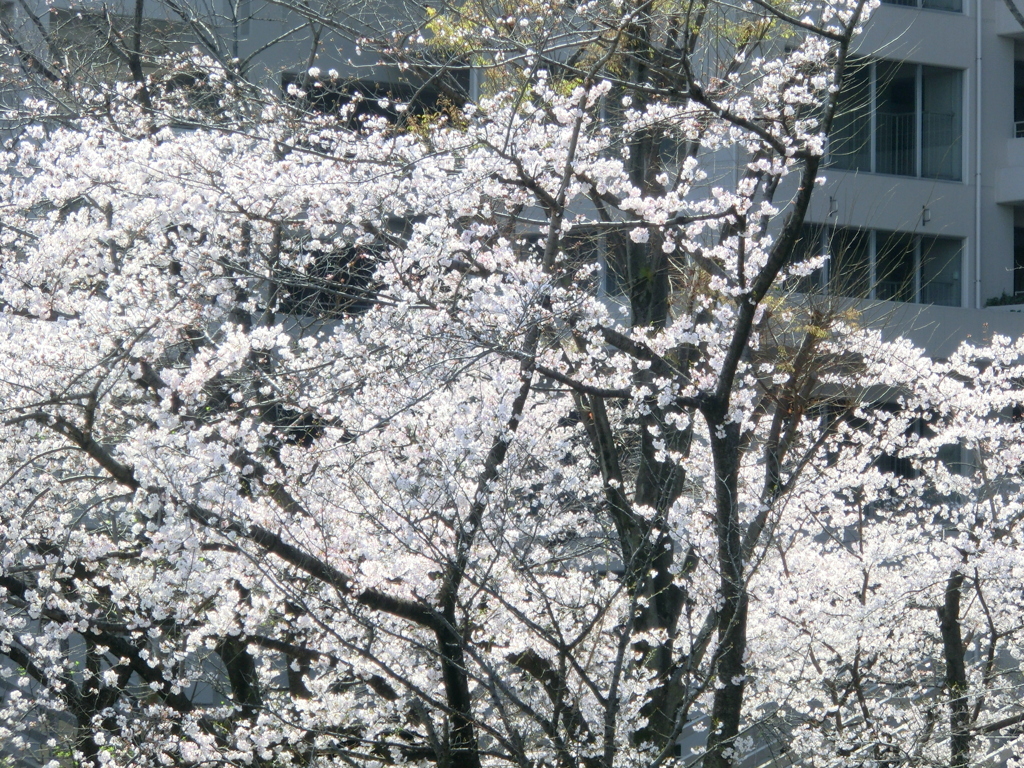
(944,293)
(940,145)
(894,290)
(897,143)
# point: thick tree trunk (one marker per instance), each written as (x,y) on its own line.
(956,673)
(464,752)
(242,674)
(728,662)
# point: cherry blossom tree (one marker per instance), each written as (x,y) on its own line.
(54,51)
(493,436)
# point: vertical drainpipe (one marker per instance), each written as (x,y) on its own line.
(977,153)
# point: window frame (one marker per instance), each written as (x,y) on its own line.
(837,159)
(920,5)
(822,281)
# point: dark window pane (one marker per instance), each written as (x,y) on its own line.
(1018,98)
(810,245)
(581,250)
(940,271)
(893,463)
(957,6)
(957,459)
(578,253)
(850,142)
(370,98)
(616,264)
(328,282)
(1018,259)
(941,123)
(849,263)
(894,267)
(896,118)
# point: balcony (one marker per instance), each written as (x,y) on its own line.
(897,143)
(1005,24)
(936,329)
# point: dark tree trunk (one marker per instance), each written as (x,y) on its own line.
(956,673)
(728,663)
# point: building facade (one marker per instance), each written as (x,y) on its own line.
(923,203)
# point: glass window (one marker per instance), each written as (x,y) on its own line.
(895,266)
(900,119)
(956,6)
(371,98)
(1018,259)
(809,245)
(940,271)
(1018,99)
(849,267)
(888,266)
(941,120)
(850,142)
(615,252)
(896,118)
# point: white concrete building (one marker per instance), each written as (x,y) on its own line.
(924,199)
